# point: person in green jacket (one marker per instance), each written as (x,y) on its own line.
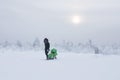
(53,54)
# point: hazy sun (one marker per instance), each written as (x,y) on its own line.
(76,19)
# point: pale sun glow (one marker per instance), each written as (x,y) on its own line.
(76,19)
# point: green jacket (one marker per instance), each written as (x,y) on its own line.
(53,54)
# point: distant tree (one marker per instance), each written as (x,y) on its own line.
(67,45)
(6,44)
(94,47)
(96,50)
(0,44)
(19,44)
(36,43)
(90,43)
(79,44)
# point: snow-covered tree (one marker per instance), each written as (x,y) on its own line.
(94,47)
(36,43)
(19,44)
(96,50)
(6,44)
(67,45)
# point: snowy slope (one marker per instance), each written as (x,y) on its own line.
(31,65)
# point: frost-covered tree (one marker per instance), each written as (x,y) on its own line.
(67,45)
(96,50)
(94,47)
(0,45)
(79,44)
(19,44)
(36,43)
(90,43)
(6,44)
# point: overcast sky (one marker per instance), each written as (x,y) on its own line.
(27,19)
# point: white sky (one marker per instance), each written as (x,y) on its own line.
(27,19)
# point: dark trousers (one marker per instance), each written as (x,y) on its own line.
(46,53)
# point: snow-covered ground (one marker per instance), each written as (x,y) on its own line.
(31,65)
